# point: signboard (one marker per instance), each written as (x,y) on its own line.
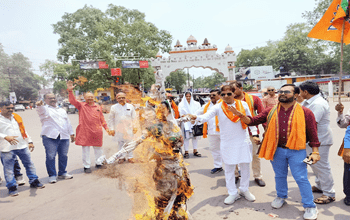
(13,98)
(275,83)
(143,64)
(256,72)
(130,64)
(135,64)
(89,65)
(116,72)
(102,65)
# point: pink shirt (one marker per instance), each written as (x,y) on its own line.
(91,120)
(269,102)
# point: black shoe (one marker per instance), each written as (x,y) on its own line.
(87,170)
(347,201)
(236,180)
(100,167)
(260,182)
(216,170)
(13,191)
(37,184)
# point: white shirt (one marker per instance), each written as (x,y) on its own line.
(54,122)
(319,106)
(120,120)
(11,128)
(235,144)
(211,122)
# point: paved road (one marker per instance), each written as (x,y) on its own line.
(92,196)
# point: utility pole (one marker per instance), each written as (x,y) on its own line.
(188,77)
(8,70)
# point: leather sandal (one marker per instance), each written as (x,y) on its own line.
(197,154)
(186,155)
(324,199)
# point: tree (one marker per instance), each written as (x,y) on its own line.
(90,34)
(255,57)
(177,79)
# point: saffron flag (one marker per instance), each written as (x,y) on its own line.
(330,26)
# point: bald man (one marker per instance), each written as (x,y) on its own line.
(89,131)
(120,121)
(271,99)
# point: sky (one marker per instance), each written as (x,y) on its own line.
(26,25)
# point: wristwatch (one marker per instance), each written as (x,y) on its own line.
(255,135)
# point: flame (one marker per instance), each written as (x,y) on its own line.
(159,180)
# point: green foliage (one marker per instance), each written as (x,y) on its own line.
(247,87)
(177,79)
(90,34)
(23,81)
(209,81)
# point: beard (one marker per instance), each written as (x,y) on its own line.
(285,100)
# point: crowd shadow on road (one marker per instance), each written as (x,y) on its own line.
(206,172)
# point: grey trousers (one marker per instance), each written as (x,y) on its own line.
(322,169)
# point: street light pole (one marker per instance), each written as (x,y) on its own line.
(8,70)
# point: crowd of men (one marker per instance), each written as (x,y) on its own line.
(295,134)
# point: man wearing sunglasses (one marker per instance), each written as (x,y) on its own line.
(212,131)
(289,127)
(14,141)
(235,144)
(271,99)
(255,107)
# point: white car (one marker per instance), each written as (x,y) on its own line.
(19,108)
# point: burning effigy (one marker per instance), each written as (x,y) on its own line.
(162,186)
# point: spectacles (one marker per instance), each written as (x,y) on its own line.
(284,91)
(270,90)
(228,94)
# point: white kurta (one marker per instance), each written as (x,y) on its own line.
(121,121)
(235,144)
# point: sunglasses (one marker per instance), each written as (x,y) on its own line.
(212,95)
(270,90)
(284,92)
(10,108)
(226,94)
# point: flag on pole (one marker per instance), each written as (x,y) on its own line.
(330,26)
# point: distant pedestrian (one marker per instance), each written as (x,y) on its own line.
(189,106)
(271,99)
(14,141)
(322,169)
(89,131)
(121,123)
(56,132)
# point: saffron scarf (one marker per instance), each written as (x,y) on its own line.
(231,116)
(205,124)
(250,101)
(296,133)
(176,109)
(20,124)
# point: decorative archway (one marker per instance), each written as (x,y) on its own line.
(196,56)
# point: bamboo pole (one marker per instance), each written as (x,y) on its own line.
(341,62)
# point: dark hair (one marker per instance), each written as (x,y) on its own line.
(47,94)
(167,105)
(311,87)
(215,90)
(296,88)
(237,84)
(228,87)
(187,93)
(5,103)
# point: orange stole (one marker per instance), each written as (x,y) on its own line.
(20,124)
(205,125)
(231,116)
(176,109)
(296,137)
(250,101)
